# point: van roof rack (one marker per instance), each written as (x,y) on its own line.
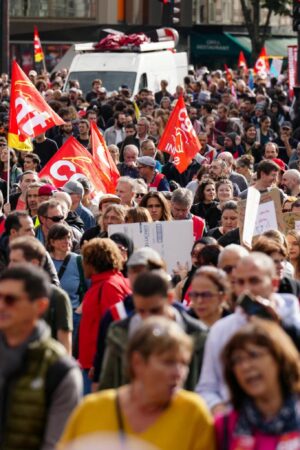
(145,47)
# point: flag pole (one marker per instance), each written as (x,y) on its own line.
(8,173)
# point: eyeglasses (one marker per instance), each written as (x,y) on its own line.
(139,194)
(10,299)
(250,355)
(205,295)
(55,218)
(228,269)
(2,144)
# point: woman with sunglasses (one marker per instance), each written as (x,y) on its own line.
(157,206)
(262,371)
(208,295)
(140,189)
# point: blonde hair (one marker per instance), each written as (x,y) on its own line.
(155,336)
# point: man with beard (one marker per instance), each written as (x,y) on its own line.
(116,133)
(290,182)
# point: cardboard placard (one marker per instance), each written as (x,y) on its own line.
(172,240)
(291,221)
(268,215)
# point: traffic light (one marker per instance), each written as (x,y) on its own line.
(171,12)
(296,15)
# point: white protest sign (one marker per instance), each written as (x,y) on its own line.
(172,240)
(266,218)
(252,205)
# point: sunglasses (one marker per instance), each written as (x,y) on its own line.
(228,269)
(10,299)
(139,194)
(55,218)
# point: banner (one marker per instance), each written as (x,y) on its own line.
(38,51)
(242,62)
(105,163)
(70,162)
(29,113)
(179,138)
(292,67)
(160,237)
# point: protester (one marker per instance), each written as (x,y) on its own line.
(24,250)
(229,220)
(181,204)
(265,412)
(32,415)
(205,203)
(102,264)
(208,295)
(255,275)
(157,205)
(293,240)
(159,413)
(151,296)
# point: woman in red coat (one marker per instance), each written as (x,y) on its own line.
(102,263)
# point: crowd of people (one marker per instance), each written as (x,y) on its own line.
(204,358)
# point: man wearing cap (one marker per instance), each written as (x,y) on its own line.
(116,133)
(76,191)
(155,181)
(44,147)
(286,143)
(45,193)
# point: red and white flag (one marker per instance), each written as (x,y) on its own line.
(38,50)
(105,163)
(262,65)
(242,61)
(70,162)
(179,138)
(29,113)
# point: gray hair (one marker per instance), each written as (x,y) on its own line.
(127,180)
(183,197)
(238,250)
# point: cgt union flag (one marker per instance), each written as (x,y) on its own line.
(38,51)
(179,138)
(70,162)
(104,161)
(29,113)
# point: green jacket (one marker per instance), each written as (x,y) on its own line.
(113,373)
(28,392)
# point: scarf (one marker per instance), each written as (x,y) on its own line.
(286,421)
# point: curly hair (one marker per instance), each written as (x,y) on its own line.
(199,195)
(102,254)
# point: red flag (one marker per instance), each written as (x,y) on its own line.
(29,113)
(38,51)
(103,159)
(242,61)
(262,62)
(70,162)
(179,138)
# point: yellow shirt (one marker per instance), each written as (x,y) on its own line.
(185,425)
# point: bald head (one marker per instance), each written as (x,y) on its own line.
(291,182)
(256,274)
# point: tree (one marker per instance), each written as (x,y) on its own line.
(259,32)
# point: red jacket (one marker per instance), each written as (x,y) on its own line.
(107,288)
(198,227)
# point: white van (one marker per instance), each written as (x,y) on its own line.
(144,68)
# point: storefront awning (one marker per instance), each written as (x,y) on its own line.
(226,45)
(217,45)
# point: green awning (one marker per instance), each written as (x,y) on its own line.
(227,45)
(217,45)
(275,46)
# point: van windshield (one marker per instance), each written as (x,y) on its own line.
(110,80)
